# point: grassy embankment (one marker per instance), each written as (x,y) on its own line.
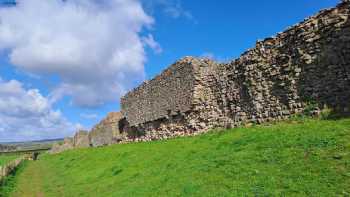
(7,185)
(295,158)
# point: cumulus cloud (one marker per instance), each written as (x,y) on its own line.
(94,47)
(28,115)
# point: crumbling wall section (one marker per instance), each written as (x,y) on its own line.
(309,63)
(170,98)
(167,94)
(67,144)
(10,167)
(81,139)
(107,131)
(281,76)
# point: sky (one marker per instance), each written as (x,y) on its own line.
(64,64)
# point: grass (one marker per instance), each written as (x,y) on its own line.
(9,183)
(296,158)
(4,159)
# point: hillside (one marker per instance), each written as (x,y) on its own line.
(28,146)
(305,157)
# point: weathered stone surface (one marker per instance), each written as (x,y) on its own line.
(81,139)
(166,94)
(309,62)
(107,131)
(8,168)
(60,147)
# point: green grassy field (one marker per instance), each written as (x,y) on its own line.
(295,158)
(7,158)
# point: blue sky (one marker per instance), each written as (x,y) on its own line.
(162,31)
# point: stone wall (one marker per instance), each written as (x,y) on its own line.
(67,144)
(107,131)
(81,139)
(309,63)
(8,168)
(281,76)
(167,94)
(104,133)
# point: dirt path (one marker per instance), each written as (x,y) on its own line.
(30,181)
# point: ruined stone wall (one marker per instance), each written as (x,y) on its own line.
(107,131)
(67,144)
(308,63)
(8,168)
(170,98)
(167,94)
(81,139)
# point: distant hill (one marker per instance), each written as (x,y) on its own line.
(28,145)
(34,141)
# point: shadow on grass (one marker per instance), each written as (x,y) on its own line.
(333,115)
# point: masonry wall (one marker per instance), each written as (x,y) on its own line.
(81,139)
(8,168)
(107,131)
(67,144)
(306,65)
(281,76)
(167,94)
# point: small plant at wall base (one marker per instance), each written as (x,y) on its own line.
(311,108)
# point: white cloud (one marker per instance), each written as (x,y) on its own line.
(149,41)
(171,8)
(89,116)
(176,11)
(95,47)
(28,115)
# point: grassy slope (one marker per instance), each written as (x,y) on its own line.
(7,185)
(311,158)
(7,158)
